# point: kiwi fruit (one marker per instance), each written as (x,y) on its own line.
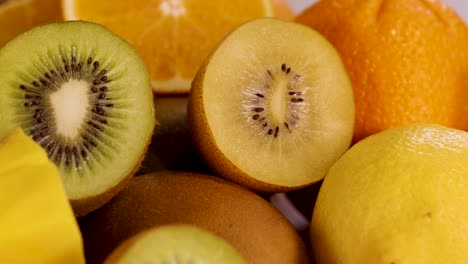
(250,224)
(84,95)
(272,107)
(175,244)
(171,146)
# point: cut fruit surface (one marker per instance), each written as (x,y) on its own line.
(37,224)
(272,107)
(84,95)
(173,36)
(260,233)
(17,16)
(175,243)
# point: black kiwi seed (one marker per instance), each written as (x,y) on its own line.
(95,66)
(283,67)
(100,110)
(276,131)
(270,131)
(86,145)
(102,95)
(260,95)
(84,154)
(258,109)
(269,73)
(297,100)
(102,73)
(255,117)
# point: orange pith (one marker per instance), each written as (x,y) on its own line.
(172,36)
(407,60)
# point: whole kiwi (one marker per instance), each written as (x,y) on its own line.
(171,145)
(257,230)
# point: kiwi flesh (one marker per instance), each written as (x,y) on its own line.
(84,95)
(175,244)
(272,107)
(260,233)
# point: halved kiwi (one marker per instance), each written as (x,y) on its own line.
(272,107)
(260,233)
(175,244)
(84,95)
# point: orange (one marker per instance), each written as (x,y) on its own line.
(407,60)
(282,10)
(172,36)
(17,16)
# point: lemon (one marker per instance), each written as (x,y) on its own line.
(399,196)
(37,224)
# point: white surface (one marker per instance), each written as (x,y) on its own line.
(461,6)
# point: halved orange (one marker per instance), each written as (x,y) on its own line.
(17,16)
(172,36)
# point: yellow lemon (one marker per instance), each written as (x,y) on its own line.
(37,224)
(399,196)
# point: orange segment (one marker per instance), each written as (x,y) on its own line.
(17,16)
(172,36)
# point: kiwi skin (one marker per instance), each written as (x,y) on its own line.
(171,146)
(204,141)
(83,206)
(122,249)
(250,224)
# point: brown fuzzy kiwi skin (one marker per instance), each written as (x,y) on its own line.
(260,233)
(123,247)
(171,146)
(82,207)
(206,145)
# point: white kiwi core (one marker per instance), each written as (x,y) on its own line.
(70,105)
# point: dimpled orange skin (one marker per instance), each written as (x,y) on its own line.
(407,60)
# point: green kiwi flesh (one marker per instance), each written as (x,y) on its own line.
(183,244)
(260,233)
(272,108)
(84,95)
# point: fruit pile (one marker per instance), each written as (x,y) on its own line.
(185,131)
